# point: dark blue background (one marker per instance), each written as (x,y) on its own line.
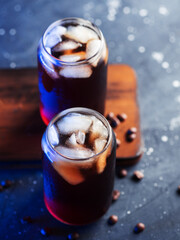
(145,35)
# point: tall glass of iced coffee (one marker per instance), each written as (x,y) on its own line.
(72,67)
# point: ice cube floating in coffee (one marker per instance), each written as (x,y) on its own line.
(80,141)
(73,43)
(72,67)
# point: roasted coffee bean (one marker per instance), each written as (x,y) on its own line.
(122,173)
(139,228)
(130,137)
(138,175)
(112,219)
(1,188)
(118,142)
(26,219)
(122,117)
(131,130)
(114,122)
(115,195)
(73,236)
(46,231)
(6,183)
(110,116)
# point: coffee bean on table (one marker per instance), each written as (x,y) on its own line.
(131,134)
(122,117)
(8,183)
(110,116)
(131,130)
(131,137)
(115,195)
(114,122)
(122,173)
(138,175)
(139,228)
(73,236)
(112,219)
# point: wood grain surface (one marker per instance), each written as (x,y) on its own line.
(21,127)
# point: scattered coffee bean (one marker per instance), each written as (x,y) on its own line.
(115,195)
(122,117)
(6,183)
(114,122)
(46,231)
(110,116)
(73,236)
(1,188)
(118,142)
(132,130)
(139,228)
(26,219)
(122,173)
(178,189)
(130,137)
(138,175)
(112,219)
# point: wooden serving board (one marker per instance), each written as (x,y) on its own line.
(21,127)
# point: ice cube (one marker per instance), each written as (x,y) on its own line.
(69,171)
(66,45)
(92,48)
(73,123)
(53,135)
(101,162)
(83,71)
(80,137)
(71,141)
(80,34)
(99,144)
(70,58)
(52,40)
(75,153)
(97,130)
(54,36)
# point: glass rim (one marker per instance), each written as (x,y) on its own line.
(80,110)
(81,22)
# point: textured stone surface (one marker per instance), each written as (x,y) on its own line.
(145,35)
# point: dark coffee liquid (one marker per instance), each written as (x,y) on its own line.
(81,203)
(62,93)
